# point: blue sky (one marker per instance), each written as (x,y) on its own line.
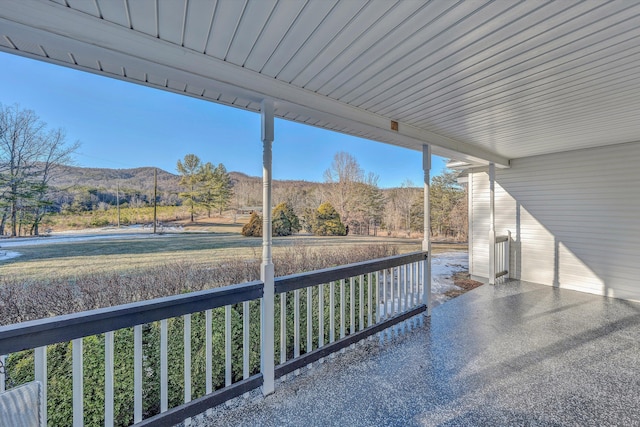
(122,125)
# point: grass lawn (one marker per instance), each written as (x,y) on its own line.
(68,259)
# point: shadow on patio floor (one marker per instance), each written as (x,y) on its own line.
(513,354)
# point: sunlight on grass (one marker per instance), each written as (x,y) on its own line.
(69,259)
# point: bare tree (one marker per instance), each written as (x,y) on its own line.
(29,156)
(343,177)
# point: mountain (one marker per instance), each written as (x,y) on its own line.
(108,179)
(91,186)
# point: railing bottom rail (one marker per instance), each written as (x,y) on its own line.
(198,406)
(315,355)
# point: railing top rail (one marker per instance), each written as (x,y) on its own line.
(500,239)
(37,333)
(311,278)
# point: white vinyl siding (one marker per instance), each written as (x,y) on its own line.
(573,218)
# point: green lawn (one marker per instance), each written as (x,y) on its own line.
(126,253)
(132,252)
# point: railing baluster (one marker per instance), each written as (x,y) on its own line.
(393,291)
(164,366)
(78,392)
(369,299)
(361,300)
(208,351)
(401,289)
(227,345)
(414,285)
(352,305)
(40,361)
(342,308)
(283,327)
(3,368)
(406,287)
(309,319)
(320,315)
(409,278)
(378,310)
(137,373)
(332,312)
(187,358)
(245,340)
(108,379)
(385,299)
(296,323)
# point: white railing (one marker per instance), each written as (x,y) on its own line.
(337,307)
(145,352)
(165,360)
(502,248)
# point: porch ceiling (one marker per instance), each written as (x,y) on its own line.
(477,79)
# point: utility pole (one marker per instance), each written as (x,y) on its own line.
(155,199)
(118,203)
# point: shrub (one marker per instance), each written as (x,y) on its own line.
(327,222)
(285,222)
(254,227)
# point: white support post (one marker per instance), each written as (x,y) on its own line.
(492,224)
(267,364)
(426,241)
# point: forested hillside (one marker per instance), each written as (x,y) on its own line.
(36,183)
(398,210)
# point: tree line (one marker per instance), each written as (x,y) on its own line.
(205,185)
(30,154)
(35,179)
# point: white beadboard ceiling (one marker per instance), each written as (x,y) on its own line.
(479,80)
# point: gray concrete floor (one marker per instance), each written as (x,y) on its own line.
(514,354)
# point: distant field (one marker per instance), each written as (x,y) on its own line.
(130,252)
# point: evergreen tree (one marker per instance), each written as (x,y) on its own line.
(209,188)
(284,222)
(327,222)
(191,171)
(215,188)
(223,188)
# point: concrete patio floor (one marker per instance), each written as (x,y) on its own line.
(514,354)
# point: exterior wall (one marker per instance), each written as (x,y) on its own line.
(574,219)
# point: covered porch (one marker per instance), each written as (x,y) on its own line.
(517,353)
(503,87)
